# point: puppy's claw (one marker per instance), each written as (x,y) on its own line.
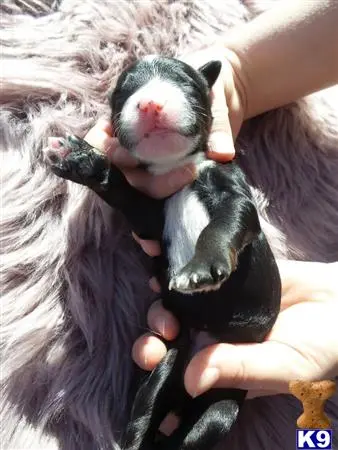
(194,278)
(180,282)
(200,277)
(218,273)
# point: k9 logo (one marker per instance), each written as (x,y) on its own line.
(314,439)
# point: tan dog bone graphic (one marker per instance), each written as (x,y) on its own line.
(313,396)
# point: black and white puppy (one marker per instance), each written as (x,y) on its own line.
(217,272)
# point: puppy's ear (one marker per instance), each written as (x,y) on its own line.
(210,71)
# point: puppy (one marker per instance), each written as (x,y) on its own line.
(217,272)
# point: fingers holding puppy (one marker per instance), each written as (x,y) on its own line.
(101,137)
(148,350)
(162,321)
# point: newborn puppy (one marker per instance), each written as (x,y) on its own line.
(217,272)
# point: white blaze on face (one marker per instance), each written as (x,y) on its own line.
(157,135)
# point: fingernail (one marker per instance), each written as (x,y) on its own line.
(161,325)
(221,143)
(151,248)
(182,177)
(154,285)
(135,237)
(208,378)
(146,352)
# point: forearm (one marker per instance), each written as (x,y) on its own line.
(285,53)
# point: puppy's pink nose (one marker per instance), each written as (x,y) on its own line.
(150,106)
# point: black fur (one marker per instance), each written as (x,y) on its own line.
(232,249)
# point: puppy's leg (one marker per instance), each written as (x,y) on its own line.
(207,420)
(74,159)
(161,393)
(234,224)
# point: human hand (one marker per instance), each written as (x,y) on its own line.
(228,97)
(303,344)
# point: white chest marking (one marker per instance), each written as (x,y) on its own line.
(185,218)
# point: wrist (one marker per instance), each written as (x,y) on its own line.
(236,90)
(277,57)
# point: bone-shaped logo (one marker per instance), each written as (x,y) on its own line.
(313,396)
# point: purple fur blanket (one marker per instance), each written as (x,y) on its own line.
(74,284)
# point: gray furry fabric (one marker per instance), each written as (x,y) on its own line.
(74,284)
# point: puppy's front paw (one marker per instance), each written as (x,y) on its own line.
(75,143)
(201,276)
(61,151)
(57,150)
(74,159)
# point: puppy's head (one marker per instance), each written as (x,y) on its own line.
(161,109)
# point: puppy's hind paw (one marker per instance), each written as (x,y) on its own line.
(203,277)
(180,283)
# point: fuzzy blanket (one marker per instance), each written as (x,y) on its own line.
(74,284)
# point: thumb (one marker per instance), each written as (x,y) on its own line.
(221,144)
(268,366)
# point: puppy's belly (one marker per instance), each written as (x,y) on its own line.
(185,218)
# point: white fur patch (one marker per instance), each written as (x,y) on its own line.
(171,162)
(175,107)
(185,218)
(158,136)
